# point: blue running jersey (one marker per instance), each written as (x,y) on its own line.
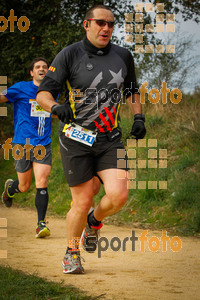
(30,120)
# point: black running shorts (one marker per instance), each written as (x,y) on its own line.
(81,162)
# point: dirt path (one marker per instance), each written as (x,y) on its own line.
(116,275)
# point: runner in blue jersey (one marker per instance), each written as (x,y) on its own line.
(32,141)
(29,120)
(96,73)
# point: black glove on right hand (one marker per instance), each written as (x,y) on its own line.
(63,112)
(138,128)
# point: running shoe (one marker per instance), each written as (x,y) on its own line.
(89,237)
(41,230)
(6,198)
(72,263)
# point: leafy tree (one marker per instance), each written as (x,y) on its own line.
(190,9)
(55,24)
(173,68)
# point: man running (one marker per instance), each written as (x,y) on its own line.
(95,71)
(32,128)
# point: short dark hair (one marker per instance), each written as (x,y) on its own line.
(89,13)
(36,60)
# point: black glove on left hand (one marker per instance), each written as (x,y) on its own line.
(138,128)
(63,112)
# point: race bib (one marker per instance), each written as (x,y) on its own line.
(37,110)
(80,134)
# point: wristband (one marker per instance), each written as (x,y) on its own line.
(53,107)
(140,117)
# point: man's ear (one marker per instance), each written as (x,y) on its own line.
(85,24)
(31,73)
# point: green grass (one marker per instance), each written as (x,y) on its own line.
(177,209)
(16,285)
(177,129)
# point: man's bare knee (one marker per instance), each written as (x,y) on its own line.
(96,185)
(41,183)
(83,204)
(118,198)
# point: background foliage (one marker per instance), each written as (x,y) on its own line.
(177,209)
(56,24)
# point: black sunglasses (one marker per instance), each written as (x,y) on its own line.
(103,23)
